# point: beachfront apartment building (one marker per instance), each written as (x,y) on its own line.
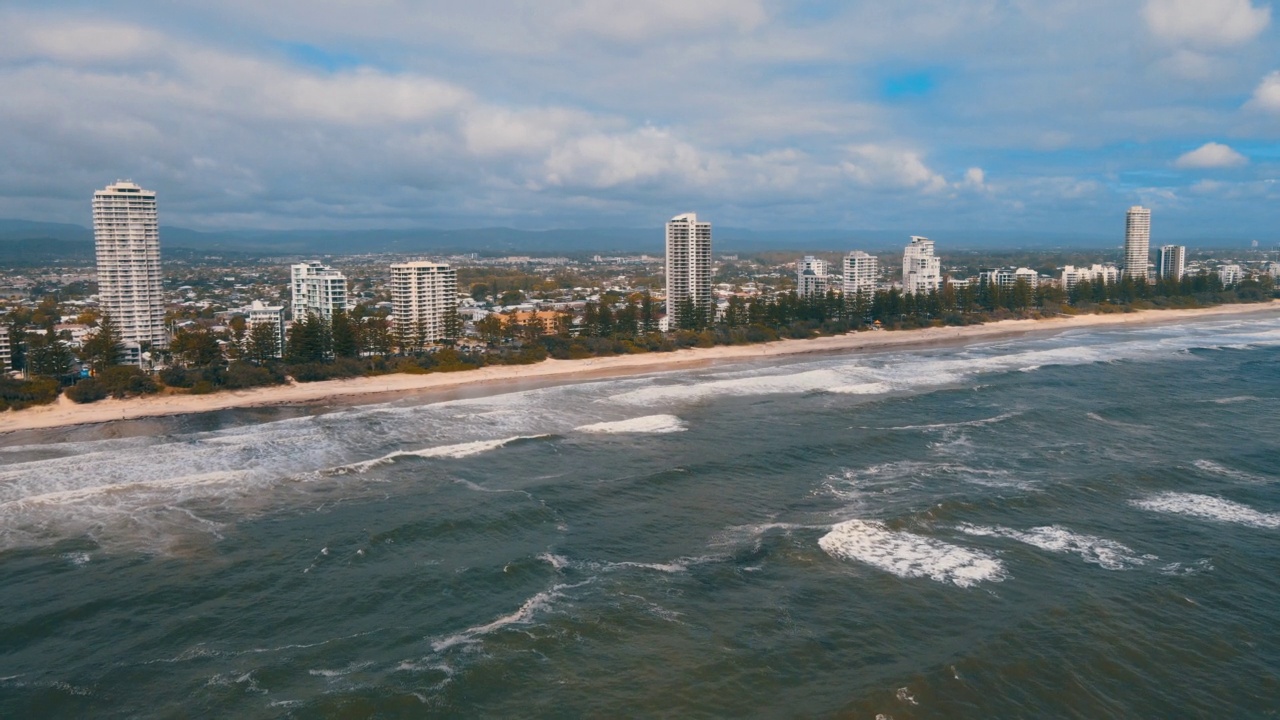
(861,274)
(1230,274)
(1072,275)
(424,302)
(1171,262)
(1006,278)
(6,352)
(688,268)
(811,277)
(259,313)
(921,269)
(1137,243)
(317,290)
(126,239)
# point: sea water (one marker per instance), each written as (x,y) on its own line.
(1077,525)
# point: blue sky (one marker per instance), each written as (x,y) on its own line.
(1002,115)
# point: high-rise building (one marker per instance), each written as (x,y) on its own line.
(688,267)
(1230,274)
(811,277)
(259,313)
(317,290)
(6,355)
(126,238)
(861,274)
(921,269)
(1172,261)
(1137,242)
(424,301)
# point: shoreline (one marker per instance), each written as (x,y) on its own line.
(382,388)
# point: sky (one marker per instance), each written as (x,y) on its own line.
(1023,116)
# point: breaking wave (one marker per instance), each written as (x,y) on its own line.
(1099,551)
(647,424)
(908,555)
(1209,508)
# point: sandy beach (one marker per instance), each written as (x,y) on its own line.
(387,387)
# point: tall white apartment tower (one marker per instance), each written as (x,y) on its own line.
(921,269)
(317,290)
(1137,242)
(861,273)
(688,266)
(811,277)
(424,295)
(1172,261)
(126,237)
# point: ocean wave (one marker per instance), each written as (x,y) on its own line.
(456,451)
(908,555)
(523,616)
(646,424)
(736,384)
(965,423)
(1099,551)
(679,565)
(866,388)
(1214,468)
(1209,507)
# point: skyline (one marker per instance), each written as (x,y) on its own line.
(768,115)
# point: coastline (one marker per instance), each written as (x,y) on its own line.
(64,413)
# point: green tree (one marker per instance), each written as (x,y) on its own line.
(345,342)
(47,355)
(196,348)
(102,349)
(263,345)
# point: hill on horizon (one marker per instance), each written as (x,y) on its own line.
(29,241)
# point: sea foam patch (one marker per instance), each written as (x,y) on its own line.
(1209,507)
(649,424)
(908,555)
(1099,551)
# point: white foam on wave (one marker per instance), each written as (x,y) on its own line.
(736,384)
(1236,399)
(655,424)
(523,616)
(456,451)
(1214,468)
(1208,507)
(964,423)
(908,555)
(679,565)
(341,672)
(867,388)
(1099,551)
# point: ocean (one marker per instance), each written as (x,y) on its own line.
(1080,525)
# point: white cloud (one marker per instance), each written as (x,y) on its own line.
(607,160)
(633,20)
(880,166)
(1206,23)
(1267,95)
(974,179)
(1211,155)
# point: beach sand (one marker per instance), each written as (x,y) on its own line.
(388,387)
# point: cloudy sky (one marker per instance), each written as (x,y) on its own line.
(1009,115)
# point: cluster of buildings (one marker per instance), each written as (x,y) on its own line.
(130,283)
(425,305)
(922,268)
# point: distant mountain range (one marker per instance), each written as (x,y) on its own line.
(26,242)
